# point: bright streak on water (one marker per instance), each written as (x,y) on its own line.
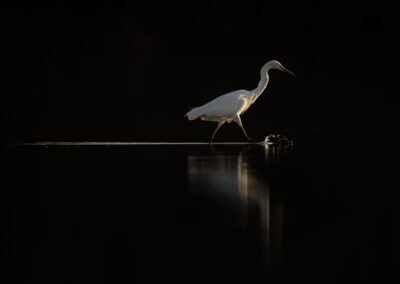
(89,143)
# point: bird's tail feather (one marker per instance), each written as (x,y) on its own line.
(194,113)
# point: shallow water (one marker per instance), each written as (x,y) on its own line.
(195,213)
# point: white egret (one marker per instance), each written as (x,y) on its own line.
(229,107)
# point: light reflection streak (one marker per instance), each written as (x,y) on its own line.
(234,178)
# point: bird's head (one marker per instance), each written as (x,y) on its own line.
(274,64)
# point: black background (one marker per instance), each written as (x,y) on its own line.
(123,71)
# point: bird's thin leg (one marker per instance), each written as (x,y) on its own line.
(216,130)
(239,122)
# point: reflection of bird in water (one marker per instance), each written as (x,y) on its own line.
(234,178)
(273,153)
(229,107)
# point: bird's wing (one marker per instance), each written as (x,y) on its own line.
(225,107)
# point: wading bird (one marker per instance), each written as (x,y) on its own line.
(229,107)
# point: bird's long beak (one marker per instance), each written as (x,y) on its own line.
(288,71)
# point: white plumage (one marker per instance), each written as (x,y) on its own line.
(229,107)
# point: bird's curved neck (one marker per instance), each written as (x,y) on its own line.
(262,84)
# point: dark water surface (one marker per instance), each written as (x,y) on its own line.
(192,213)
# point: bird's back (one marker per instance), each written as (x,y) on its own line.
(220,108)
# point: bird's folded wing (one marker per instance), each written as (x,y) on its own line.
(226,108)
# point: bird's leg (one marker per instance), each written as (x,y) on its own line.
(216,130)
(239,122)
